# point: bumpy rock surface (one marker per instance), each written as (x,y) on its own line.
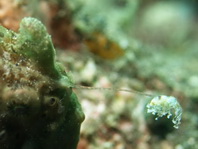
(38,109)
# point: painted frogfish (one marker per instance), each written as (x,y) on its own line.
(38,109)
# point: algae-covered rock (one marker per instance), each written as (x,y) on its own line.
(38,109)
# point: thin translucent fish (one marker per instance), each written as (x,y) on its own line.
(112,89)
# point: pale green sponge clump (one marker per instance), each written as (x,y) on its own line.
(166,105)
(38,109)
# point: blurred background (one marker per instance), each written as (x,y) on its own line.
(145,45)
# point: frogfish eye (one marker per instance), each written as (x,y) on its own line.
(51,101)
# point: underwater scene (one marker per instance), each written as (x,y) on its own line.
(98,74)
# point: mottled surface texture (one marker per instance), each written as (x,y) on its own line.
(38,109)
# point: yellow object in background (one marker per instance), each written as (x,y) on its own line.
(100,45)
